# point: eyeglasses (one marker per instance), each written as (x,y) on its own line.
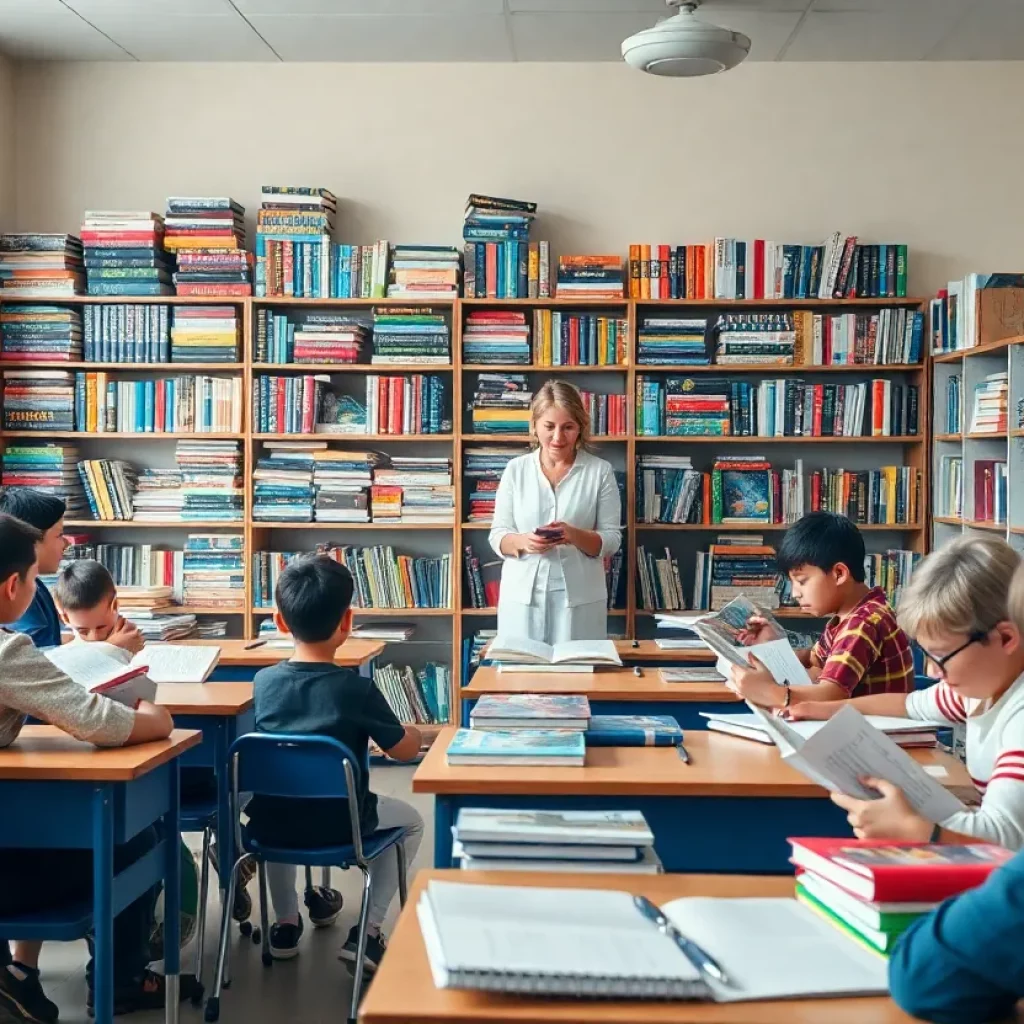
(940,663)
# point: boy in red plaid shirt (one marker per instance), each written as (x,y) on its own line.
(862,650)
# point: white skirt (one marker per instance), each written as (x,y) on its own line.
(550,619)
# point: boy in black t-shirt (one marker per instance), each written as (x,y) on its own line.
(311,695)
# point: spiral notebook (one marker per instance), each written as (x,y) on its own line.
(590,943)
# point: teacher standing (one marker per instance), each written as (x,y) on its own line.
(557,515)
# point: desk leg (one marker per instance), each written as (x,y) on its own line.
(103,902)
(172,895)
(227,731)
(444,819)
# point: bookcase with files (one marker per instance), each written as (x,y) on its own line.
(594,343)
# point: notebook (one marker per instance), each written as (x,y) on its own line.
(177,663)
(581,942)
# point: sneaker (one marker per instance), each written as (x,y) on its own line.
(284,940)
(149,992)
(376,947)
(241,909)
(22,998)
(324,906)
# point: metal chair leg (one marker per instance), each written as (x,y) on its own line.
(228,898)
(261,869)
(204,894)
(325,877)
(364,916)
(403,884)
(309,877)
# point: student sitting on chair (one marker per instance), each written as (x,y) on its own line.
(309,694)
(86,598)
(862,650)
(34,880)
(957,609)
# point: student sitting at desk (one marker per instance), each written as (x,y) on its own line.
(958,610)
(309,694)
(862,650)
(33,880)
(86,598)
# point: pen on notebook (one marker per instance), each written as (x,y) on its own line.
(703,961)
(684,755)
(637,671)
(254,645)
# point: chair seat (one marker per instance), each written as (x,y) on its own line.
(63,924)
(328,856)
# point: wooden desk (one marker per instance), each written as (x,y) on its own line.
(731,809)
(403,992)
(648,651)
(613,691)
(59,793)
(238,664)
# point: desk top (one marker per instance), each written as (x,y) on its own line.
(43,753)
(648,650)
(205,698)
(353,652)
(603,684)
(403,991)
(721,766)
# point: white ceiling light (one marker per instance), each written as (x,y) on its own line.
(683,46)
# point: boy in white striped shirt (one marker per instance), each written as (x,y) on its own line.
(965,608)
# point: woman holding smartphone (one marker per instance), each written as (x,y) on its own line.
(557,516)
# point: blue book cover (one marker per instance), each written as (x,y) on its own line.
(746,495)
(539,708)
(634,731)
(519,746)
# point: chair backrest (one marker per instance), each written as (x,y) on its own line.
(291,765)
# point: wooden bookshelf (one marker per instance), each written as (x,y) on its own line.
(447,626)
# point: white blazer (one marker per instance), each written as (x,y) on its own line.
(587,497)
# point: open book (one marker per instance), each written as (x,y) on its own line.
(177,663)
(523,654)
(907,732)
(90,667)
(581,942)
(846,748)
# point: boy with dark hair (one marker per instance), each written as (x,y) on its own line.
(862,650)
(86,599)
(46,513)
(309,694)
(32,880)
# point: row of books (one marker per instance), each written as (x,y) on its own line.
(735,567)
(206,234)
(889,496)
(124,253)
(131,565)
(213,575)
(513,269)
(590,277)
(890,336)
(949,489)
(416,697)
(991,477)
(956,312)
(322,336)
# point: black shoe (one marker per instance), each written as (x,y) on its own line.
(23,998)
(284,940)
(241,909)
(148,993)
(324,906)
(376,947)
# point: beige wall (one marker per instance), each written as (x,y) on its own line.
(930,154)
(7,143)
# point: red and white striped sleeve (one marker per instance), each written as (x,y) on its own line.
(938,702)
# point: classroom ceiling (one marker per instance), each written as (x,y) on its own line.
(496,30)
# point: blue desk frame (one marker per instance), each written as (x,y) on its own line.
(98,816)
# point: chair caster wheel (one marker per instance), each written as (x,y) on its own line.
(245,928)
(212,1012)
(257,936)
(268,960)
(197,996)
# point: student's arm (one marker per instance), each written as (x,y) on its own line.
(401,742)
(964,962)
(151,723)
(408,746)
(816,708)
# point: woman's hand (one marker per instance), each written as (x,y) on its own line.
(570,534)
(534,544)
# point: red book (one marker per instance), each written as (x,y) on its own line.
(758,268)
(882,871)
(663,258)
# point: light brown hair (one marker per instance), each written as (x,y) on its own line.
(566,396)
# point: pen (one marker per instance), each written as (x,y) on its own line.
(637,671)
(635,644)
(703,961)
(683,754)
(254,645)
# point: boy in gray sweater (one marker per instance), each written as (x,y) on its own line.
(32,880)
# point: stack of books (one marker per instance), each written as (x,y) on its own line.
(500,260)
(386,504)
(293,241)
(425,485)
(483,579)
(890,336)
(730,570)
(420,272)
(205,334)
(484,467)
(473,647)
(39,400)
(607,413)
(590,277)
(672,341)
(116,333)
(417,698)
(990,490)
(504,711)
(170,405)
(162,628)
(316,337)
(668,489)
(342,483)
(579,339)
(685,406)
(501,404)
(207,236)
(873,890)
(211,477)
(412,334)
(891,570)
(889,495)
(50,468)
(389,632)
(496,336)
(213,573)
(755,338)
(40,334)
(109,485)
(660,581)
(145,598)
(991,414)
(288,405)
(283,486)
(124,253)
(34,265)
(550,840)
(158,497)
(413,404)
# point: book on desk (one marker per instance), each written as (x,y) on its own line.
(540,747)
(530,711)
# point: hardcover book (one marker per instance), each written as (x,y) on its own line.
(530,711)
(541,747)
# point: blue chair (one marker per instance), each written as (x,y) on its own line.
(302,767)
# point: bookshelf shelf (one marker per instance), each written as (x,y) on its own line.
(948,520)
(758,439)
(537,368)
(351,438)
(1017,432)
(384,370)
(437,613)
(987,436)
(167,524)
(259,524)
(121,435)
(985,524)
(775,369)
(12,365)
(957,438)
(779,303)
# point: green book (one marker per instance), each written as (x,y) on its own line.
(877,942)
(893,918)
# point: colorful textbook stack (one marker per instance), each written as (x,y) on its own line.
(410,334)
(283,486)
(40,334)
(672,341)
(50,468)
(207,236)
(500,260)
(553,840)
(213,573)
(501,404)
(685,406)
(36,265)
(496,336)
(874,890)
(319,336)
(419,272)
(205,334)
(124,253)
(39,400)
(484,466)
(293,241)
(590,277)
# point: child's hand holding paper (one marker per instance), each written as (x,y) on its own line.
(888,817)
(756,684)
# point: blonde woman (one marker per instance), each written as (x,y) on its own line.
(556,517)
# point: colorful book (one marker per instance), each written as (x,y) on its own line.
(634,731)
(540,747)
(602,828)
(890,917)
(530,711)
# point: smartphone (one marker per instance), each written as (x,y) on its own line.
(549,532)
